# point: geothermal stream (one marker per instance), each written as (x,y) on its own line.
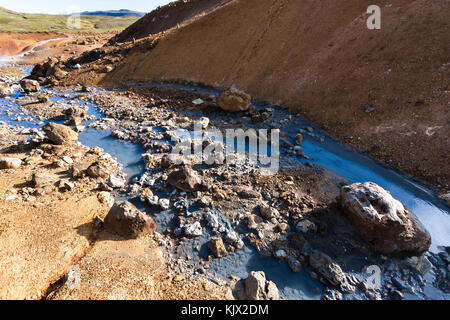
(321,150)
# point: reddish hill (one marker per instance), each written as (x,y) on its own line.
(320,59)
(167,17)
(14,43)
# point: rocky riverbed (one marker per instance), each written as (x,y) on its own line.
(214,227)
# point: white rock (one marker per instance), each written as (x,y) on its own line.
(67,159)
(193,229)
(267,211)
(306,226)
(115,182)
(280,254)
(164,204)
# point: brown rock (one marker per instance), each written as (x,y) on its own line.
(10,163)
(30,85)
(258,288)
(217,247)
(100,170)
(60,134)
(234,100)
(42,98)
(40,179)
(327,268)
(126,220)
(383,221)
(185,179)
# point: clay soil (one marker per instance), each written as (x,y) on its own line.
(14,43)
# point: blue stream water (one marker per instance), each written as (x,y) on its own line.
(330,154)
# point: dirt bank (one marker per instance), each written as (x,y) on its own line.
(14,43)
(35,49)
(384,91)
(167,17)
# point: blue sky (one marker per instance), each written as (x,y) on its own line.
(69,6)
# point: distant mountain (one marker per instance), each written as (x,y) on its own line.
(114,13)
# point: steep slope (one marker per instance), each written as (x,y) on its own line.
(167,17)
(320,59)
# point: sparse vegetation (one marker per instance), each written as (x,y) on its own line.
(11,71)
(11,21)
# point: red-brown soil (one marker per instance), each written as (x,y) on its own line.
(320,59)
(14,43)
(167,17)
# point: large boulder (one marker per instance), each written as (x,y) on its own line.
(45,69)
(234,100)
(383,221)
(258,288)
(29,85)
(126,220)
(185,179)
(60,134)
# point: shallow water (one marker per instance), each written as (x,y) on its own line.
(329,154)
(356,167)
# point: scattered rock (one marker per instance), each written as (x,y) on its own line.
(10,163)
(267,211)
(383,221)
(30,85)
(194,229)
(41,179)
(185,179)
(204,122)
(249,194)
(60,134)
(5,90)
(327,268)
(99,169)
(217,247)
(64,184)
(331,294)
(126,220)
(115,182)
(306,226)
(75,111)
(298,138)
(234,100)
(164,204)
(106,198)
(233,238)
(43,98)
(258,288)
(294,264)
